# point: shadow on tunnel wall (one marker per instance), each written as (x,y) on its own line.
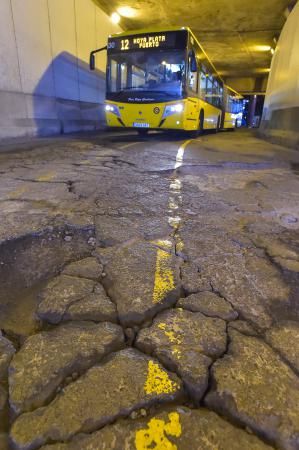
(68,98)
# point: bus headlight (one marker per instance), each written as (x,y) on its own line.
(172,109)
(113,109)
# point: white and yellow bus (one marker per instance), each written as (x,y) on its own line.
(163,80)
(233,109)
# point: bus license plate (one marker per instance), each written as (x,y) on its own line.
(141,124)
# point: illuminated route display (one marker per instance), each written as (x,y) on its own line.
(150,41)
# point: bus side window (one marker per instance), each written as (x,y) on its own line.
(231,104)
(209,91)
(123,75)
(202,84)
(220,96)
(113,75)
(192,72)
(215,93)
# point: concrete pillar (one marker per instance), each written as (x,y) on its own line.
(251,112)
(281,110)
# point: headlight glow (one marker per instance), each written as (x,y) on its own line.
(113,109)
(172,109)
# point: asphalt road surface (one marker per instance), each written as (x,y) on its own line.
(149,293)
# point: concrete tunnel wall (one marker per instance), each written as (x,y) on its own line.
(45,83)
(281,111)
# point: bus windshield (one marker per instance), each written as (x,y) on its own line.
(155,73)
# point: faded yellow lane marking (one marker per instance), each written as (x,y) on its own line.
(179,245)
(180,154)
(18,192)
(165,244)
(46,177)
(173,339)
(158,381)
(155,435)
(170,334)
(122,147)
(164,277)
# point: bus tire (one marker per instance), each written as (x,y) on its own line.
(201,121)
(218,125)
(195,133)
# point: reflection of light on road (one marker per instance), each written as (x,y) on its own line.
(180,154)
(175,198)
(175,185)
(164,276)
(174,222)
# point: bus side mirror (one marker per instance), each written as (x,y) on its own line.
(92,63)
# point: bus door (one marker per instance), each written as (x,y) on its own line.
(222,97)
(192,113)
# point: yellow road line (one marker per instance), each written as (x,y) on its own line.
(46,176)
(122,147)
(157,432)
(158,381)
(180,154)
(18,192)
(164,278)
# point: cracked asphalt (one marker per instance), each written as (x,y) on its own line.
(149,293)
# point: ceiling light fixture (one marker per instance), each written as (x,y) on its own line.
(261,48)
(127,11)
(115,18)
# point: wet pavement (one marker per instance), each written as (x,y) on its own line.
(149,293)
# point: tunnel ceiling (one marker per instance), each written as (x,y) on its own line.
(228,29)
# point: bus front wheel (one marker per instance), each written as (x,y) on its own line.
(195,133)
(218,125)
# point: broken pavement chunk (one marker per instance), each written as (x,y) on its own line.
(178,428)
(142,280)
(85,268)
(185,342)
(47,358)
(209,304)
(59,294)
(128,381)
(252,385)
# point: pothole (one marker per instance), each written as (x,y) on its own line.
(26,263)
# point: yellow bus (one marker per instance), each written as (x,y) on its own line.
(161,79)
(233,109)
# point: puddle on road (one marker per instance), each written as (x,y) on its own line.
(295,168)
(26,265)
(17,315)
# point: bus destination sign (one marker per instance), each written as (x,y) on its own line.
(166,40)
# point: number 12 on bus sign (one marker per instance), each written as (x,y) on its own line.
(125,44)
